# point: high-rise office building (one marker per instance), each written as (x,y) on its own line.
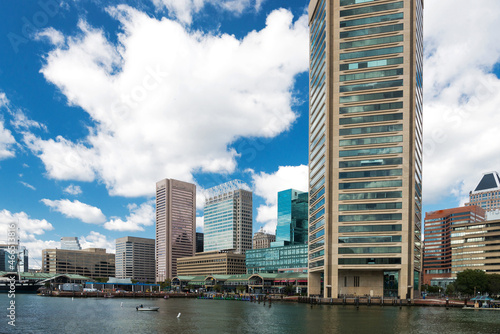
(21,260)
(135,259)
(70,243)
(90,262)
(365,147)
(438,230)
(291,227)
(199,242)
(487,192)
(228,218)
(175,225)
(262,239)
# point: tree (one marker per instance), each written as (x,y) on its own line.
(218,287)
(165,284)
(289,289)
(470,281)
(450,289)
(241,288)
(494,284)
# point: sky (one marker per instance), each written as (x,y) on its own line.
(99,100)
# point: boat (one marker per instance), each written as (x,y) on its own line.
(10,283)
(147,308)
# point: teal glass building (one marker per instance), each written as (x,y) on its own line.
(289,251)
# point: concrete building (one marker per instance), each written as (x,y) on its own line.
(212,263)
(487,193)
(365,147)
(228,218)
(70,243)
(199,242)
(438,226)
(135,259)
(175,225)
(262,239)
(89,262)
(475,245)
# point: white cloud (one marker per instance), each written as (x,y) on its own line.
(141,96)
(200,221)
(73,190)
(462,96)
(7,141)
(97,240)
(139,217)
(27,185)
(76,209)
(22,122)
(184,10)
(28,230)
(54,36)
(267,186)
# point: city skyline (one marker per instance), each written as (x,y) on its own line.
(79,153)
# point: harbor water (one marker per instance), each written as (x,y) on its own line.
(37,314)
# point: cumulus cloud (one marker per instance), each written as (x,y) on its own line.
(76,209)
(97,240)
(28,230)
(184,10)
(267,186)
(142,97)
(73,190)
(140,216)
(54,36)
(22,123)
(462,95)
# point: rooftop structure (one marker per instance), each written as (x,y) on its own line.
(70,243)
(262,239)
(487,192)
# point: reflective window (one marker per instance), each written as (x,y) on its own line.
(368,119)
(378,195)
(371,41)
(371,31)
(371,107)
(371,151)
(373,217)
(371,63)
(371,173)
(370,228)
(370,162)
(370,206)
(369,250)
(368,20)
(389,260)
(367,97)
(371,9)
(371,53)
(371,85)
(371,75)
(370,141)
(369,239)
(373,184)
(371,129)
(352,2)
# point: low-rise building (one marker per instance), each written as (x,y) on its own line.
(225,262)
(262,239)
(274,259)
(90,262)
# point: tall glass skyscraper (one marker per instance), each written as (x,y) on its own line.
(365,147)
(291,227)
(228,218)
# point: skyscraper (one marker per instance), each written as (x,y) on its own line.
(175,225)
(291,227)
(135,258)
(365,147)
(487,192)
(70,243)
(228,218)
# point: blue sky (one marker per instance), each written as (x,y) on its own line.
(100,99)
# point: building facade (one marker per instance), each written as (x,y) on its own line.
(365,147)
(277,259)
(90,262)
(292,226)
(135,259)
(212,263)
(475,245)
(262,239)
(20,263)
(487,193)
(228,218)
(175,225)
(70,243)
(199,242)
(438,227)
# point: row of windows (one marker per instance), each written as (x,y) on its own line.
(368,20)
(369,97)
(371,173)
(371,31)
(352,2)
(373,184)
(371,63)
(371,85)
(371,162)
(371,261)
(372,217)
(371,53)
(371,141)
(370,9)
(371,151)
(369,250)
(371,75)
(370,206)
(371,129)
(372,41)
(363,196)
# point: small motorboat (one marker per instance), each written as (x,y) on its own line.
(146,308)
